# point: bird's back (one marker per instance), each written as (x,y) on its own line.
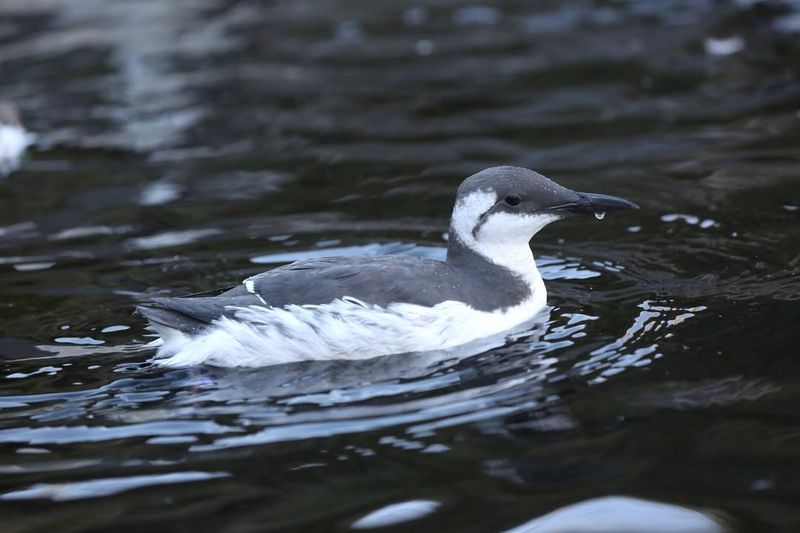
(373,280)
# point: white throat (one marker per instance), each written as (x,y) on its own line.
(503,238)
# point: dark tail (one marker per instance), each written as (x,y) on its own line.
(171,319)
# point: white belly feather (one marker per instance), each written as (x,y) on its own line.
(343,329)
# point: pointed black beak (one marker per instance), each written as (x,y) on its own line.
(589,203)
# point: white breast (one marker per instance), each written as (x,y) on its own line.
(343,329)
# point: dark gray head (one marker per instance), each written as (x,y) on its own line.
(498,210)
(9,114)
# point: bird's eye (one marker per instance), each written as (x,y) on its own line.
(513,200)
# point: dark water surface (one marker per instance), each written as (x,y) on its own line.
(185,145)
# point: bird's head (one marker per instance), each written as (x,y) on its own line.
(498,210)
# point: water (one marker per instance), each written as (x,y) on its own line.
(183,146)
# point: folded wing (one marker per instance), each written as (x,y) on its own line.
(374,280)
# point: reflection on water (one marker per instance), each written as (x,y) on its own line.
(184,146)
(621,354)
(105,487)
(396,514)
(621,515)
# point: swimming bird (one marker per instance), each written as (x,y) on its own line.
(363,307)
(14,140)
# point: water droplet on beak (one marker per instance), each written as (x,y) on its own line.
(599,215)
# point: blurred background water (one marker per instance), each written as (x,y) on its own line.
(184,145)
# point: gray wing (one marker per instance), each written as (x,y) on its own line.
(374,280)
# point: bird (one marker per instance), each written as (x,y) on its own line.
(14,140)
(369,306)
